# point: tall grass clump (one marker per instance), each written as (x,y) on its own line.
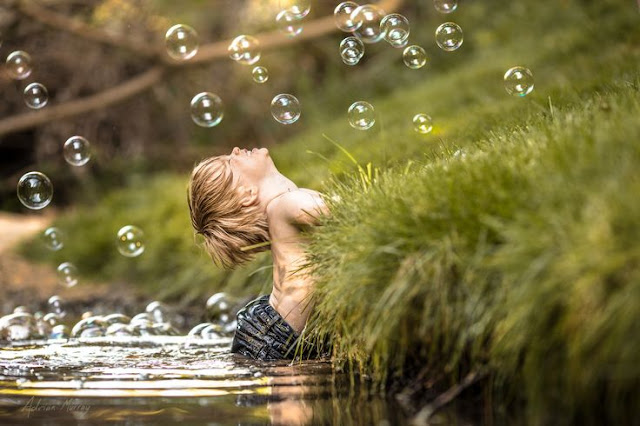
(516,258)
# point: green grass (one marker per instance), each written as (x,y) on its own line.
(519,259)
(516,257)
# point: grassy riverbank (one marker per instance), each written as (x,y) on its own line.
(503,243)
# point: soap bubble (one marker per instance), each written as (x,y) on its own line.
(59,331)
(367,19)
(518,81)
(92,326)
(245,49)
(298,8)
(289,23)
(206,109)
(351,50)
(449,36)
(158,311)
(57,305)
(342,16)
(68,274)
(118,329)
(422,123)
(116,318)
(35,190)
(130,241)
(77,151)
(361,115)
(36,96)
(18,326)
(53,238)
(285,108)
(445,6)
(219,307)
(414,57)
(395,28)
(212,331)
(195,331)
(260,74)
(52,319)
(181,42)
(19,65)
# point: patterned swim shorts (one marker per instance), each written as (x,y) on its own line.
(263,334)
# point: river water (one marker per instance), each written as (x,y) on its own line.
(171,379)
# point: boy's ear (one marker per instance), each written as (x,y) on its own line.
(249,195)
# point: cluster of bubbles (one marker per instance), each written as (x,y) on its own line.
(157,319)
(22,325)
(18,66)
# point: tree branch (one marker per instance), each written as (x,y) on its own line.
(60,22)
(108,97)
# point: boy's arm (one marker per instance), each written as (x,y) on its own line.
(303,207)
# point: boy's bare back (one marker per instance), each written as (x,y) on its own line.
(288,215)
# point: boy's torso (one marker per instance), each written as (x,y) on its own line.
(291,288)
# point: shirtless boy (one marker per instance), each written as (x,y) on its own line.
(239,203)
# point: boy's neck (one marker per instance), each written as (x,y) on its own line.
(273,186)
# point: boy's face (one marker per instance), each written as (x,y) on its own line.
(250,167)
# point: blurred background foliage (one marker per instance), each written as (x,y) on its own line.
(144,147)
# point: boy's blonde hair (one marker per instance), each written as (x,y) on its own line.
(218,215)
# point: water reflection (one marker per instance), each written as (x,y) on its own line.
(175,379)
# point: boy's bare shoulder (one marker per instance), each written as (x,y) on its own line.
(302,206)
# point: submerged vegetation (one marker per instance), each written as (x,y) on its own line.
(505,243)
